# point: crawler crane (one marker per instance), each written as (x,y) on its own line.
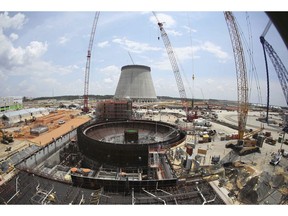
(175,68)
(243,146)
(280,70)
(277,63)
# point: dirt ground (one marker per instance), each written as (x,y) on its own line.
(45,138)
(23,137)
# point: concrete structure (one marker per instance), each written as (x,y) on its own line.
(113,109)
(136,163)
(136,83)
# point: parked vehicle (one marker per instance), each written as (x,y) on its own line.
(276,159)
(60,122)
(285,154)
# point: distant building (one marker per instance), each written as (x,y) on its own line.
(12,117)
(11,103)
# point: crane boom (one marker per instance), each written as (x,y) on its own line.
(173,62)
(242,84)
(278,65)
(87,68)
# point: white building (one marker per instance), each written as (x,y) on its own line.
(12,117)
(11,103)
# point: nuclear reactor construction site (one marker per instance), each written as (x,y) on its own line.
(137,148)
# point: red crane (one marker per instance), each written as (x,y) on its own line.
(87,69)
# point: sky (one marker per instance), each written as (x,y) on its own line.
(43,52)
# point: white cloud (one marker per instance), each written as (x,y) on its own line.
(190,29)
(167,20)
(110,69)
(36,49)
(12,57)
(108,80)
(173,32)
(216,50)
(28,88)
(221,88)
(66,70)
(49,81)
(186,53)
(20,56)
(103,44)
(169,89)
(63,40)
(15,22)
(15,56)
(210,81)
(134,46)
(13,36)
(36,76)
(163,65)
(181,54)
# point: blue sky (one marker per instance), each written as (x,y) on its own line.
(44,53)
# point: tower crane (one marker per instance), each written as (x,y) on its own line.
(87,68)
(174,65)
(242,83)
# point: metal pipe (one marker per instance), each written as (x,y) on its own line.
(133,197)
(17,190)
(209,201)
(47,194)
(167,193)
(204,199)
(154,196)
(82,199)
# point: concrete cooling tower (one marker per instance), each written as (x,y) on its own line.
(136,84)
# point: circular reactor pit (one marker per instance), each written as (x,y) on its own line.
(127,143)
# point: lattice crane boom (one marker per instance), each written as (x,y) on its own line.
(278,65)
(241,73)
(87,68)
(173,62)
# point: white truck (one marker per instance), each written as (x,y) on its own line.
(202,122)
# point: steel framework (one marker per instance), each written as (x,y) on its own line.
(242,84)
(173,62)
(87,69)
(278,65)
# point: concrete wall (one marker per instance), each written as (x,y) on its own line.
(45,152)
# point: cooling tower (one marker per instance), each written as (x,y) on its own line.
(136,83)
